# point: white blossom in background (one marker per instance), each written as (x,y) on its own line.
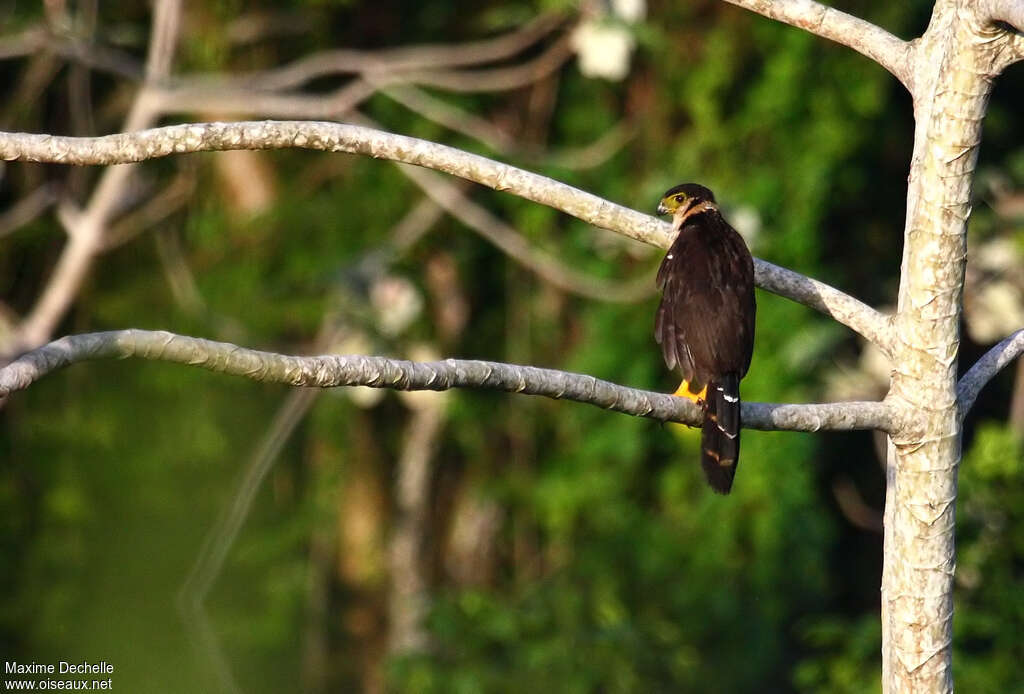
(603,49)
(396,304)
(604,44)
(631,11)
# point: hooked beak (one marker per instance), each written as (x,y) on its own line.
(662,209)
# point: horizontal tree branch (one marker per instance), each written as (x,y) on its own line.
(329,371)
(340,137)
(876,43)
(978,376)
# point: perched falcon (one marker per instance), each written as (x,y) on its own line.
(705,322)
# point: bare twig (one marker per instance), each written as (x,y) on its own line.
(339,137)
(984,369)
(163,39)
(381,372)
(876,43)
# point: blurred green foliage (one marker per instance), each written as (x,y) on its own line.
(614,568)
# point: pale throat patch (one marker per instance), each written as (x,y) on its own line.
(703,206)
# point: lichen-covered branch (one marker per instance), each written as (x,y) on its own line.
(887,50)
(328,371)
(978,376)
(340,137)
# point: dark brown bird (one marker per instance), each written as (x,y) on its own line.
(705,322)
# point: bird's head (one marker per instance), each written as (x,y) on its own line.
(684,198)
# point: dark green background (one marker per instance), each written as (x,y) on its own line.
(613,569)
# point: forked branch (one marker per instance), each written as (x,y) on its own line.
(328,371)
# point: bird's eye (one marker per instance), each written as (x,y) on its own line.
(679,199)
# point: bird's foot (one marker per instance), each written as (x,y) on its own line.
(697,398)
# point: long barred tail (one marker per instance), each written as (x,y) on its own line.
(720,435)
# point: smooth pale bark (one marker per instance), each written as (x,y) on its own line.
(955,63)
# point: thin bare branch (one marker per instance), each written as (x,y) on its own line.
(887,50)
(164,38)
(329,371)
(986,368)
(339,137)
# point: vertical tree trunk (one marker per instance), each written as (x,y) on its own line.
(956,61)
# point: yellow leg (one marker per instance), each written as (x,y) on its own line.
(684,392)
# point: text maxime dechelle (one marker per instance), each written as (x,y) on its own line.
(62,667)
